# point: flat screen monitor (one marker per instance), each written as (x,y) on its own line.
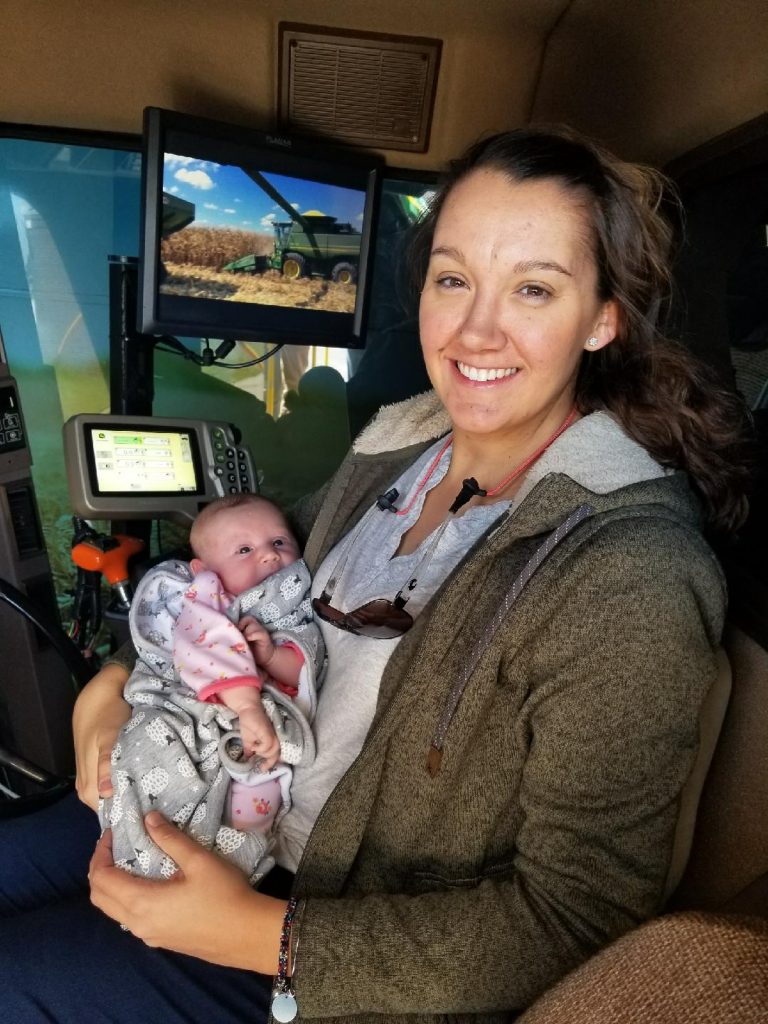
(251,236)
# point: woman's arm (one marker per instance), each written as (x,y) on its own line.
(207,910)
(615,674)
(100,712)
(303,513)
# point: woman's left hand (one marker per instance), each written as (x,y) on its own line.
(206,910)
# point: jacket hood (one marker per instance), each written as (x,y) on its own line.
(595,452)
(593,462)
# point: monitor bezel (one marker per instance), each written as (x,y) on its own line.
(186,135)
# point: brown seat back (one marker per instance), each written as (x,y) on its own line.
(730,843)
(711,718)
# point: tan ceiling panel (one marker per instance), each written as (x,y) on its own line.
(96,63)
(654,78)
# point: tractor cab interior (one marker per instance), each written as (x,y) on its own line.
(245,159)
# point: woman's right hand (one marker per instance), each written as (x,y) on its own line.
(100,712)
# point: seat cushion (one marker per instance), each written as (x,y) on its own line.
(686,968)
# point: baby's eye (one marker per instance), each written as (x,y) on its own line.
(244,550)
(278,542)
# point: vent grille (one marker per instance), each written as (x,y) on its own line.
(365,90)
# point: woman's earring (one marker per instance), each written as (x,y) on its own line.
(592,342)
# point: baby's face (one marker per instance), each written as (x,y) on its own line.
(245,545)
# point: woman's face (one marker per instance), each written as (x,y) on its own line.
(509,303)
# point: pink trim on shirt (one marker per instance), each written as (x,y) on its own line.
(289,645)
(287,688)
(211,691)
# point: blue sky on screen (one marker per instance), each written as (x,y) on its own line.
(224,195)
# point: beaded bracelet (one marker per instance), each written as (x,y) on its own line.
(284,1008)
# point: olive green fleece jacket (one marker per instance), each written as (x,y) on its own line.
(549,825)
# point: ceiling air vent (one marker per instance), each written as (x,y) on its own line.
(364,89)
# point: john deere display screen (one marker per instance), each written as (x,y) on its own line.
(152,467)
(141,461)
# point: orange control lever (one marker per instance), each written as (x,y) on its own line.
(109,559)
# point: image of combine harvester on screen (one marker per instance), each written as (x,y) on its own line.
(243,235)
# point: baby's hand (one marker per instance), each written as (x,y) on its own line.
(259,639)
(258,735)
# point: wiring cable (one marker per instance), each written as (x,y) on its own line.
(73,659)
(167,343)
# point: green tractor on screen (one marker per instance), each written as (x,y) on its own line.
(310,245)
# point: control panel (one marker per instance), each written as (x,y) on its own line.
(151,467)
(36,691)
(11,426)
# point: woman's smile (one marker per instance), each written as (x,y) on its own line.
(483,375)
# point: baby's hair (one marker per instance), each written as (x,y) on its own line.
(229,501)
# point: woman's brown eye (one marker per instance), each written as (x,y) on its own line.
(533,291)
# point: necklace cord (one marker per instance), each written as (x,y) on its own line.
(425,479)
(471,489)
(537,454)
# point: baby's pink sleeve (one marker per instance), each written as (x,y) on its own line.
(209,651)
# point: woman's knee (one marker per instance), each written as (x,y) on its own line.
(45,855)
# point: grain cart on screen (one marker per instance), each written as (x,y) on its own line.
(310,244)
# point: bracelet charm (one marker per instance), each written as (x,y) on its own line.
(284,1007)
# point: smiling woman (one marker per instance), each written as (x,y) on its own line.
(496,792)
(540,248)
